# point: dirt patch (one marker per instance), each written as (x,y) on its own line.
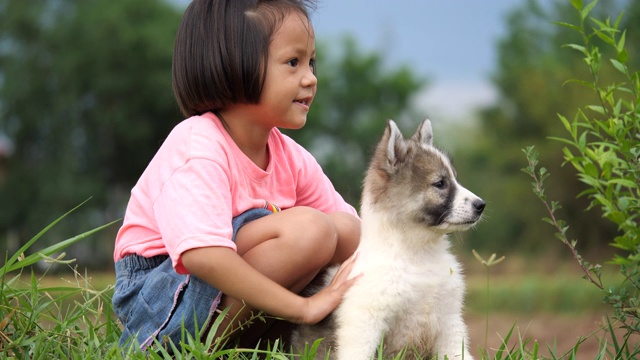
(560,333)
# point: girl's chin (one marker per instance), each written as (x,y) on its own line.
(294,126)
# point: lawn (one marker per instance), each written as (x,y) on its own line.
(550,305)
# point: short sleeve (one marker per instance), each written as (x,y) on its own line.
(315,189)
(194,209)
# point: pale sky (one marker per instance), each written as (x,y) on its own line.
(451,42)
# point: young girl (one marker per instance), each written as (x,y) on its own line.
(231,213)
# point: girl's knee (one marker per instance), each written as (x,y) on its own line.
(314,233)
(348,229)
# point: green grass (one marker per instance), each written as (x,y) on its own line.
(68,316)
(562,293)
(534,293)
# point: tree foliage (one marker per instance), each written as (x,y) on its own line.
(601,143)
(85,96)
(531,73)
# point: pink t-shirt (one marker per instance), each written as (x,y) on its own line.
(199,180)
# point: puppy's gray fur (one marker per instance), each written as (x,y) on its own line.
(411,293)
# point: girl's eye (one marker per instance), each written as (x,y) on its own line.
(312,65)
(293,62)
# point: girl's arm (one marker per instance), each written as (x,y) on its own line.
(227,271)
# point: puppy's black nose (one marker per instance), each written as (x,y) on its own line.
(479,205)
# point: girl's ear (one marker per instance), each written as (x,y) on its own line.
(424,134)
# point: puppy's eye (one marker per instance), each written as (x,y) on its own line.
(440,184)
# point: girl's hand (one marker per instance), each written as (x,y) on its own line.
(318,306)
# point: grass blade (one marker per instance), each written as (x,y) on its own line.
(34,258)
(12,260)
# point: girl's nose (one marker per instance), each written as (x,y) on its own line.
(309,78)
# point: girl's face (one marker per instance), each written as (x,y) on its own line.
(290,84)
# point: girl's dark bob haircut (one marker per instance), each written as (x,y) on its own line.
(222,48)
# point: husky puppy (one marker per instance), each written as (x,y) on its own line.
(411,293)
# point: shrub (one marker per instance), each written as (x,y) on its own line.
(603,146)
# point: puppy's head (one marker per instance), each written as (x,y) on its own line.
(412,181)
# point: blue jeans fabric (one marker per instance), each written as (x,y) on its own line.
(153,301)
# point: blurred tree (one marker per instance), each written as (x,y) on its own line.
(531,73)
(356,95)
(85,95)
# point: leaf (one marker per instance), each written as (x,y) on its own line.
(477,256)
(577,4)
(587,9)
(598,109)
(34,258)
(586,192)
(623,56)
(570,26)
(589,180)
(562,140)
(580,48)
(586,84)
(565,122)
(618,20)
(582,142)
(542,171)
(620,45)
(591,170)
(624,182)
(26,246)
(619,66)
(605,37)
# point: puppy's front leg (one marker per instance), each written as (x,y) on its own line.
(453,340)
(358,333)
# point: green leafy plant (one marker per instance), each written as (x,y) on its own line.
(603,146)
(75,321)
(59,321)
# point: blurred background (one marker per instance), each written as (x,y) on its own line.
(86,100)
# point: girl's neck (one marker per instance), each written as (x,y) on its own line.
(250,137)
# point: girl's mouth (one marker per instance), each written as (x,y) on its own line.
(306,102)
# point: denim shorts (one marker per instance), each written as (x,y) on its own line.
(153,301)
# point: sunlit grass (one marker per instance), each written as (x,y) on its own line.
(534,293)
(521,293)
(67,315)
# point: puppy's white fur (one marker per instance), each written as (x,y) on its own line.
(411,293)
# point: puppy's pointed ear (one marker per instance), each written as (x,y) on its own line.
(396,145)
(424,134)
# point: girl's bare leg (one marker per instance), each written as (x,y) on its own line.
(348,228)
(290,247)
